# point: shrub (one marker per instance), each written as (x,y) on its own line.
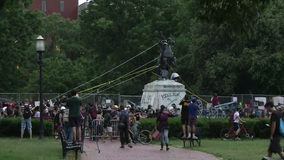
(11,127)
(211,126)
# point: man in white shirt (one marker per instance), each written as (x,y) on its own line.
(236,123)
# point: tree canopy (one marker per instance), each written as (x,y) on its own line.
(213,53)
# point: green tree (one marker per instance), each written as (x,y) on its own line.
(16,39)
(114,30)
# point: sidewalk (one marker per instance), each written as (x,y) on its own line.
(111,151)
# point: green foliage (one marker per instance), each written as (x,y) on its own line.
(211,127)
(11,127)
(212,55)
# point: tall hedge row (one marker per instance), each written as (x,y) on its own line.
(211,126)
(11,127)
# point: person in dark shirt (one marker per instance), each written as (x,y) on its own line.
(123,126)
(275,135)
(74,103)
(163,125)
(184,114)
(192,117)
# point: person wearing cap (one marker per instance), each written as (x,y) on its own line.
(275,135)
(192,118)
(236,123)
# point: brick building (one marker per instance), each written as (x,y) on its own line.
(66,8)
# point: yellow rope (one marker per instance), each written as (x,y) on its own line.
(189,91)
(109,82)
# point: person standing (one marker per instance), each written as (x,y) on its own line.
(26,119)
(123,126)
(275,135)
(215,100)
(192,118)
(107,125)
(74,104)
(184,114)
(163,125)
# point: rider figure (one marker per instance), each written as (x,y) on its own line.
(166,58)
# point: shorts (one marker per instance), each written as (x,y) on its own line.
(192,120)
(26,123)
(108,129)
(236,126)
(184,120)
(275,146)
(75,121)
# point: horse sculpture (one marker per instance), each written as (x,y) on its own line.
(166,59)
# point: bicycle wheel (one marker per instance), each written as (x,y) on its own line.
(226,134)
(249,135)
(145,137)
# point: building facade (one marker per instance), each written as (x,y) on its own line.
(66,8)
(82,6)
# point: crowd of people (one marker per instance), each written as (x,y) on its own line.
(67,115)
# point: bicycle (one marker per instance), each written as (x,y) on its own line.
(144,137)
(244,133)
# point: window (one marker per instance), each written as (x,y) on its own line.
(43,5)
(61,6)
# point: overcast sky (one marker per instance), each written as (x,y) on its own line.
(81,1)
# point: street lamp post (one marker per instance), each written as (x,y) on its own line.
(40,46)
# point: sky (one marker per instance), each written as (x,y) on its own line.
(81,1)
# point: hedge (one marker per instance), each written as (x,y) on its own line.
(211,126)
(11,127)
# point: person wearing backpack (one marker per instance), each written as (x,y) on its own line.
(67,128)
(26,119)
(123,125)
(275,135)
(236,123)
(107,125)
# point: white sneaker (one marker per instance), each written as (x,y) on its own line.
(194,137)
(189,136)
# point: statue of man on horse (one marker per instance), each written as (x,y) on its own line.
(166,59)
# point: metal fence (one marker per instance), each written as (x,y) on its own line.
(245,100)
(98,129)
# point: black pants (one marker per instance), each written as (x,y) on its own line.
(131,136)
(124,139)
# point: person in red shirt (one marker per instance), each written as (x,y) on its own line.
(215,100)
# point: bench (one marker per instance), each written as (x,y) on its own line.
(66,146)
(198,133)
(268,158)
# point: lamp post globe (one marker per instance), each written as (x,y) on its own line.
(40,47)
(40,44)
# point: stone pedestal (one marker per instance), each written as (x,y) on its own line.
(162,92)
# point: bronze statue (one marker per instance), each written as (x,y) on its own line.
(166,59)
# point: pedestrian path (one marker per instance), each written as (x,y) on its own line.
(111,151)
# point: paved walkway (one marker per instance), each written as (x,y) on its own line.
(111,151)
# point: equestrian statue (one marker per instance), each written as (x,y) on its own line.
(166,59)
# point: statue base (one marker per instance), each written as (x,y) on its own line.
(162,92)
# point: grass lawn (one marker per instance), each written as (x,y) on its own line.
(47,149)
(230,150)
